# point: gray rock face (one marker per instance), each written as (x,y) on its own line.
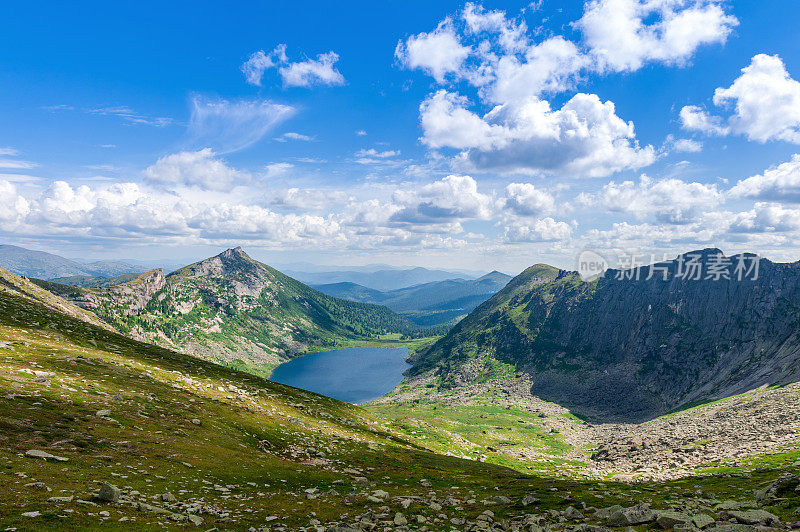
(631,349)
(635,515)
(44,455)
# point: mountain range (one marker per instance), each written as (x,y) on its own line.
(636,344)
(381,280)
(233,309)
(427,304)
(42,265)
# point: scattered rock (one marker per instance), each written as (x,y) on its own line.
(31,514)
(635,515)
(103,413)
(35,453)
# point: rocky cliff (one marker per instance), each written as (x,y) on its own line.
(636,344)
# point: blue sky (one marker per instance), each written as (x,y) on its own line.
(481,135)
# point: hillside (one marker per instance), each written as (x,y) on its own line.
(635,348)
(103,432)
(235,310)
(428,304)
(43,265)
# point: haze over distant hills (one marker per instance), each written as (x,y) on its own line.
(44,265)
(427,304)
(383,280)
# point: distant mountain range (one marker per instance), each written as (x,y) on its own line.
(42,265)
(427,304)
(636,344)
(382,280)
(235,310)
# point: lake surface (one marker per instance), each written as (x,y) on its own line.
(356,374)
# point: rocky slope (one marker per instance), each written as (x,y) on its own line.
(233,309)
(634,348)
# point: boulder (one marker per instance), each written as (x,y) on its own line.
(753,517)
(668,519)
(108,493)
(635,515)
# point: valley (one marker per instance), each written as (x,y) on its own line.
(145,437)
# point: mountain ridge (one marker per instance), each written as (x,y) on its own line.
(233,309)
(631,349)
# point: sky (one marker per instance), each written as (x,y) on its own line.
(485,136)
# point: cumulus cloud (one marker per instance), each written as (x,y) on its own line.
(453,198)
(437,53)
(625,34)
(543,230)
(671,201)
(687,145)
(13,207)
(584,138)
(194,169)
(765,101)
(229,126)
(781,183)
(512,127)
(319,71)
(524,199)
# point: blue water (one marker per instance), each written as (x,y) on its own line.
(356,374)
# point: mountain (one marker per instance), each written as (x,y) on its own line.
(383,280)
(635,347)
(429,304)
(43,265)
(233,309)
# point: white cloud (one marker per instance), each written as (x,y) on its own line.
(437,53)
(361,133)
(550,66)
(524,199)
(695,118)
(259,62)
(543,230)
(687,145)
(512,35)
(309,199)
(294,136)
(13,207)
(194,169)
(312,72)
(132,117)
(625,34)
(453,198)
(781,183)
(765,101)
(277,169)
(228,126)
(319,71)
(584,138)
(670,201)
